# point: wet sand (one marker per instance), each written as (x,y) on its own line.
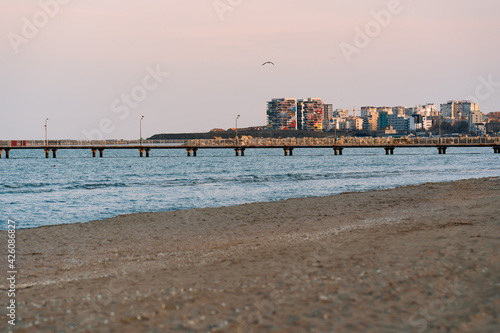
(411,259)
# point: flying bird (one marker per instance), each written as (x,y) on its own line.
(268,62)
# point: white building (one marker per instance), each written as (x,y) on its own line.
(458,109)
(480,129)
(352,124)
(367,110)
(473,119)
(333,123)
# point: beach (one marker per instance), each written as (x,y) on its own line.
(411,259)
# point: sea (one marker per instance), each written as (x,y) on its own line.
(74,187)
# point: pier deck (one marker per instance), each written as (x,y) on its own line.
(240,145)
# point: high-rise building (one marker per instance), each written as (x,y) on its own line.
(399,123)
(468,107)
(352,124)
(328,111)
(398,110)
(310,112)
(384,109)
(327,115)
(458,109)
(282,114)
(370,122)
(341,113)
(426,110)
(383,120)
(367,110)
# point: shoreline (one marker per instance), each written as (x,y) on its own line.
(257,202)
(374,260)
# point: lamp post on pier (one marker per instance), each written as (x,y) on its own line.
(440,116)
(140,128)
(237,127)
(46,121)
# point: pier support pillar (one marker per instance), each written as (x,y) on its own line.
(189,152)
(93,151)
(101,151)
(195,152)
(54,150)
(496,150)
(337,151)
(7,153)
(442,150)
(237,151)
(1,150)
(141,152)
(290,151)
(47,152)
(389,150)
(285,150)
(147,152)
(242,151)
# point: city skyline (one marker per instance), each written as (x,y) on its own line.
(193,67)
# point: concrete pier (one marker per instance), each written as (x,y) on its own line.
(288,151)
(287,144)
(239,151)
(194,150)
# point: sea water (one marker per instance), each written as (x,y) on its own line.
(74,187)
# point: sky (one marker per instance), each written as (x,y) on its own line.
(94,68)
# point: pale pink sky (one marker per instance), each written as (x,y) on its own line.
(92,52)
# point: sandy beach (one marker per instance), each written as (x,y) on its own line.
(412,259)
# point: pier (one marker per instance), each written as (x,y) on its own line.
(288,145)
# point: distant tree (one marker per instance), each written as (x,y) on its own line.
(493,127)
(461,126)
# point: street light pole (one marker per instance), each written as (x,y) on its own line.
(140,128)
(440,115)
(335,130)
(237,127)
(46,120)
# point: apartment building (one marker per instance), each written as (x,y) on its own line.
(310,114)
(458,109)
(282,114)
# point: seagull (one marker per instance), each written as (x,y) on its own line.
(268,62)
